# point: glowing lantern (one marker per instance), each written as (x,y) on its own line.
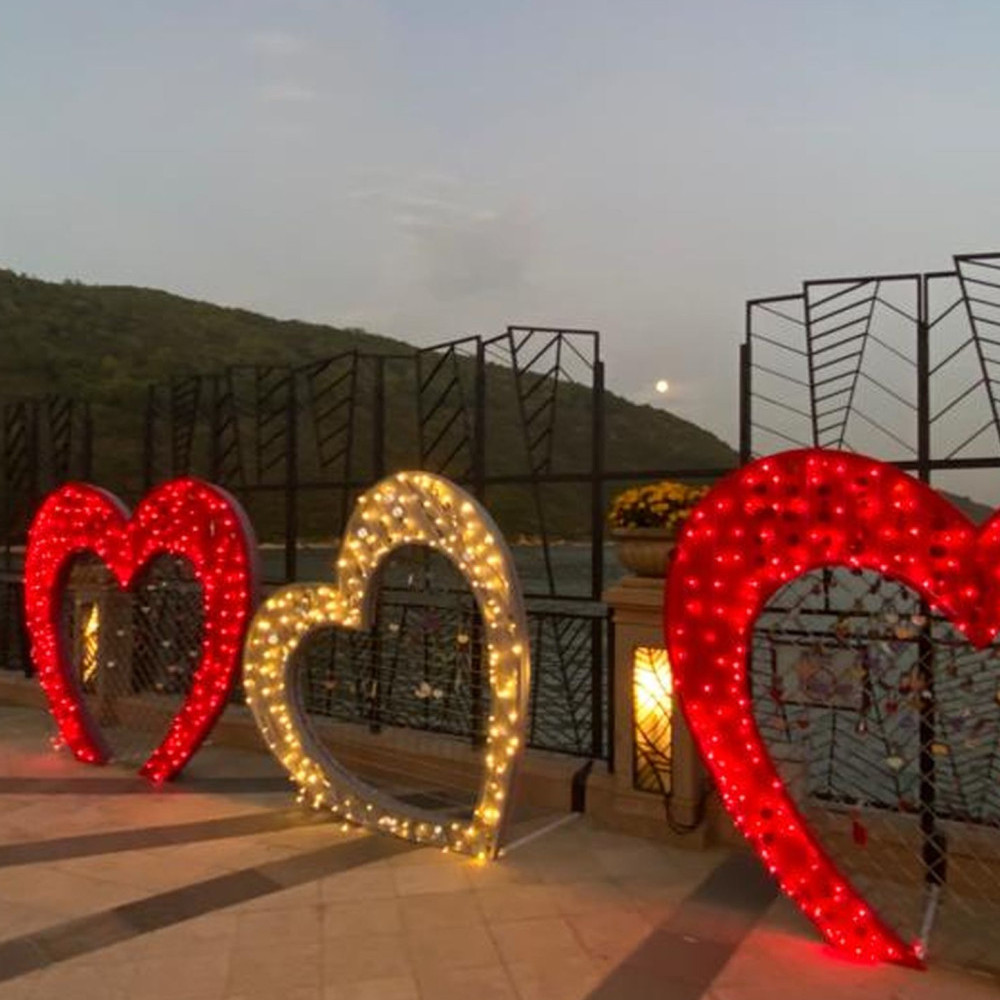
(652,706)
(91,637)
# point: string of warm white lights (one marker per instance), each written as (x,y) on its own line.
(410,508)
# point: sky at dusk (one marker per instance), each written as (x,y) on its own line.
(437,168)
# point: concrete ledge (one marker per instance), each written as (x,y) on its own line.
(16,689)
(641,814)
(545,780)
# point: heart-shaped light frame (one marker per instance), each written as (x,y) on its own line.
(409,508)
(756,530)
(186,518)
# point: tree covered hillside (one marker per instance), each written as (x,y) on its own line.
(106,344)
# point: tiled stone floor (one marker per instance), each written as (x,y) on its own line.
(205,895)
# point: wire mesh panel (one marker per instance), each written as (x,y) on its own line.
(515,417)
(416,670)
(884,720)
(13,636)
(44,441)
(546,448)
(886,726)
(134,651)
(405,704)
(567,652)
(444,409)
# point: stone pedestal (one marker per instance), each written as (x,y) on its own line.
(637,611)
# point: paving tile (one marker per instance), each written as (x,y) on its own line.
(367,916)
(655,891)
(69,939)
(196,975)
(946,985)
(569,978)
(539,939)
(275,968)
(295,898)
(371,881)
(609,935)
(84,979)
(560,869)
(439,910)
(214,932)
(145,870)
(20,957)
(413,880)
(340,855)
(17,919)
(644,860)
(352,958)
(22,988)
(773,963)
(267,992)
(190,901)
(553,920)
(429,856)
(383,988)
(519,901)
(48,887)
(490,982)
(592,896)
(268,928)
(459,946)
(506,871)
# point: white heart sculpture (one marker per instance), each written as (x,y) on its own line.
(409,508)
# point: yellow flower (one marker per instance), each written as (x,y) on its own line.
(665,504)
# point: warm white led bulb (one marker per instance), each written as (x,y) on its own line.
(406,509)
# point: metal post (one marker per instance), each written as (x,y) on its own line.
(374,693)
(34,456)
(934,840)
(378,420)
(600,665)
(87,444)
(378,471)
(291,483)
(149,439)
(597,484)
(214,409)
(476,721)
(479,427)
(8,493)
(923,384)
(597,684)
(746,445)
(610,680)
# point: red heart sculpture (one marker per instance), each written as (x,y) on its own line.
(184,517)
(755,531)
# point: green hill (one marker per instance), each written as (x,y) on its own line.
(106,344)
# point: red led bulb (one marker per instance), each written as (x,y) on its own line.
(185,518)
(756,530)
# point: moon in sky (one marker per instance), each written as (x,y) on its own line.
(663,386)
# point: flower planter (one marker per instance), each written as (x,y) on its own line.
(645,551)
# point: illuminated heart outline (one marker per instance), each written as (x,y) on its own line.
(183,517)
(409,508)
(757,529)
